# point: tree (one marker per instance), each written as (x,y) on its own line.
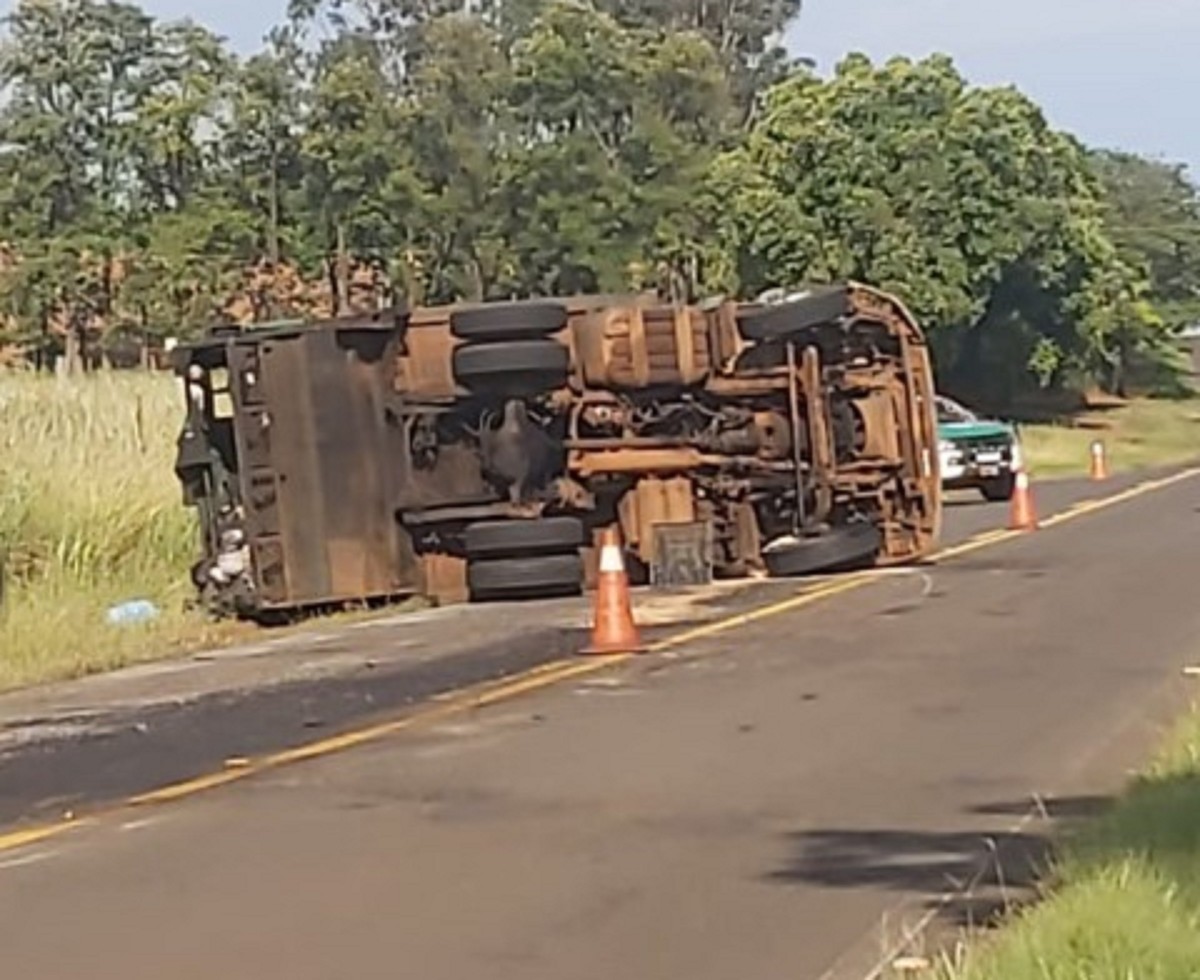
(182,88)
(745,36)
(395,28)
(72,75)
(1152,212)
(573,96)
(962,200)
(72,78)
(460,125)
(261,143)
(617,127)
(359,182)
(682,118)
(186,263)
(151,181)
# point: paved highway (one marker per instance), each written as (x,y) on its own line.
(788,798)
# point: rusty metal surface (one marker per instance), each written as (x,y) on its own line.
(886,473)
(589,463)
(914,532)
(652,504)
(445,577)
(682,555)
(356,435)
(312,488)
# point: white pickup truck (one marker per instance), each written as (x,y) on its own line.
(976,453)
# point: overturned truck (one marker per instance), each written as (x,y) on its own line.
(477,451)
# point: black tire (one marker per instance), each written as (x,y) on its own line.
(508,321)
(840,549)
(510,539)
(525,578)
(827,304)
(999,489)
(536,364)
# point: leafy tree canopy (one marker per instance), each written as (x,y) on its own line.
(963,200)
(1153,215)
(152,181)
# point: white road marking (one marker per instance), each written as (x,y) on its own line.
(132,825)
(26,859)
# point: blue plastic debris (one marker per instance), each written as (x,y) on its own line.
(129,613)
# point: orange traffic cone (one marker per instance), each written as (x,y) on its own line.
(1099,461)
(614,630)
(1023,515)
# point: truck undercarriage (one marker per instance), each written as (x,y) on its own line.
(475,452)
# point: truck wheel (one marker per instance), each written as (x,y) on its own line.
(511,539)
(999,489)
(531,364)
(841,548)
(525,578)
(825,305)
(508,321)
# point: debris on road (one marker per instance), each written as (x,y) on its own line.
(132,613)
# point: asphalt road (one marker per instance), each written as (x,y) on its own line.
(80,745)
(786,799)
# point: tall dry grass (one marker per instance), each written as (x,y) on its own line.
(90,515)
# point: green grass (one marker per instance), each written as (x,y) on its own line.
(1125,903)
(1139,435)
(91,515)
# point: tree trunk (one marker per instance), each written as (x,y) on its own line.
(411,283)
(478,289)
(342,297)
(73,350)
(45,359)
(273,228)
(1120,381)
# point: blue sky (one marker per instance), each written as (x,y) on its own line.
(1120,73)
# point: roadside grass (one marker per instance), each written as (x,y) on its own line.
(1124,901)
(90,515)
(1141,434)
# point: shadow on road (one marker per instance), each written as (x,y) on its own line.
(970,877)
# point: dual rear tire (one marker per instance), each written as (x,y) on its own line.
(508,349)
(508,560)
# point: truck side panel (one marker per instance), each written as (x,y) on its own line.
(313,472)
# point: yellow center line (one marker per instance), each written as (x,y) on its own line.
(806,598)
(466,700)
(36,835)
(985,540)
(190,787)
